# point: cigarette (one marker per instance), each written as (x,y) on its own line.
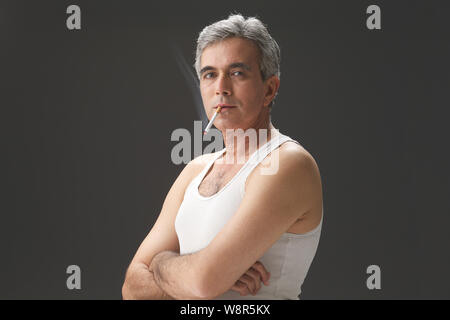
(211,121)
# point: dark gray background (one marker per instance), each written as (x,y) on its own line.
(86,118)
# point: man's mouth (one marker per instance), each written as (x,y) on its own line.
(224,106)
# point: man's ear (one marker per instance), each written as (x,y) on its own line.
(271,86)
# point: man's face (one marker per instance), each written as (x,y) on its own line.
(230,74)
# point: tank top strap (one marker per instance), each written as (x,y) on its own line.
(259,156)
(209,164)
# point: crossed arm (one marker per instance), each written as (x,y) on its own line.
(168,267)
(174,274)
(167,278)
(270,206)
(158,271)
(140,284)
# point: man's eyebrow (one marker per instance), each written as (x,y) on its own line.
(204,69)
(240,65)
(233,65)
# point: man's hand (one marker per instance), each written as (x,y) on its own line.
(250,282)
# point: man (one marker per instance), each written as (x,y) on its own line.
(226,228)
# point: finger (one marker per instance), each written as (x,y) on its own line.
(265,275)
(240,287)
(256,278)
(249,282)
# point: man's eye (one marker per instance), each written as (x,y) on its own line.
(236,73)
(208,75)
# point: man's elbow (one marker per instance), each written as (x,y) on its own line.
(126,292)
(128,289)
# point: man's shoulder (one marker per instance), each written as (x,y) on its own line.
(293,157)
(291,164)
(296,152)
(296,180)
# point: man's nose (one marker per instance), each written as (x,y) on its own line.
(223,86)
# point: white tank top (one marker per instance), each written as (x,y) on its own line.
(199,220)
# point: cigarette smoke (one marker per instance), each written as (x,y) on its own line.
(190,76)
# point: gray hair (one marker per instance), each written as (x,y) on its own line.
(252,29)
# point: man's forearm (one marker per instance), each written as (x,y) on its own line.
(140,285)
(175,274)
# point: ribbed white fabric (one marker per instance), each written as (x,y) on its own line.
(199,220)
